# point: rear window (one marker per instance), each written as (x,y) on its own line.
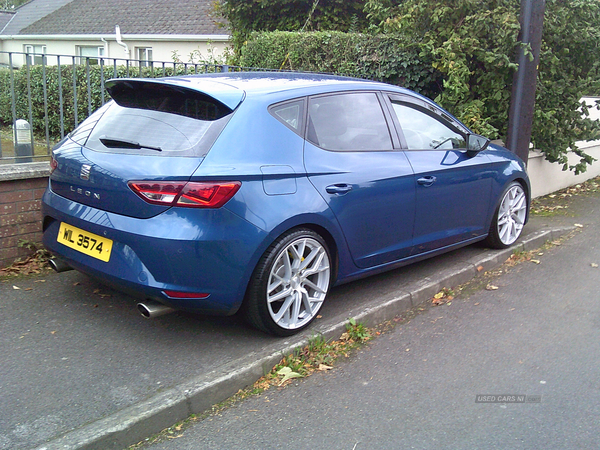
(156,119)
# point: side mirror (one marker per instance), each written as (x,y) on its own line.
(476,144)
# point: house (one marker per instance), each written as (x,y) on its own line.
(142,30)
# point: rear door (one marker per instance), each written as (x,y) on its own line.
(355,163)
(452,188)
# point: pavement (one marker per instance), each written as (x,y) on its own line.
(80,369)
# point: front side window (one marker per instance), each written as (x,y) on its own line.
(348,122)
(425,132)
(35,54)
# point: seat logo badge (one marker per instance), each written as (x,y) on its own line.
(85,172)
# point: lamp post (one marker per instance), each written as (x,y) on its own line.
(520,116)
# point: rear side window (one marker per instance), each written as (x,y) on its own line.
(348,122)
(291,114)
(156,119)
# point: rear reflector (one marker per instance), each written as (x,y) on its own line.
(190,195)
(53,165)
(178,294)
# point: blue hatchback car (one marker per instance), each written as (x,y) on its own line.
(260,191)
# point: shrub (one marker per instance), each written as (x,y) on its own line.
(385,58)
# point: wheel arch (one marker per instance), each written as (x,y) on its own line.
(333,238)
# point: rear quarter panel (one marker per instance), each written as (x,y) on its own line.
(276,196)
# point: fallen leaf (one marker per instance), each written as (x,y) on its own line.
(438,295)
(29,289)
(491,287)
(288,374)
(77,283)
(479,268)
(578,225)
(324,367)
(535,261)
(17,287)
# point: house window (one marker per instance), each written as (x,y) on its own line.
(35,54)
(90,52)
(144,56)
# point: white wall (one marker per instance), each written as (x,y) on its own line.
(162,48)
(549,177)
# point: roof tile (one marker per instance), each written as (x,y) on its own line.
(132,16)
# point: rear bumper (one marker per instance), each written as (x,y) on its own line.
(186,250)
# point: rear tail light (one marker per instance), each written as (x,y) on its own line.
(190,195)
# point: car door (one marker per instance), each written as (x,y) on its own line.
(355,163)
(452,188)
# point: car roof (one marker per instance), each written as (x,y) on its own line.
(232,87)
(261,82)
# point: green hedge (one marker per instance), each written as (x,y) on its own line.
(381,57)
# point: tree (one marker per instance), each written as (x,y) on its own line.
(473,43)
(10,5)
(246,16)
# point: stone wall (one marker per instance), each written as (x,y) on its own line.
(21,190)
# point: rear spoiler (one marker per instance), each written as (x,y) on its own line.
(207,100)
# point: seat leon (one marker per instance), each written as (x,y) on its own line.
(260,191)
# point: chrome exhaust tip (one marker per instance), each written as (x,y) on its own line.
(151,309)
(59,265)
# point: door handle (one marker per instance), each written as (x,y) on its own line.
(339,189)
(426,181)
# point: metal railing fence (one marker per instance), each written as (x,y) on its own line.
(54,93)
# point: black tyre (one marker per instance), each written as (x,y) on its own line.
(290,283)
(509,217)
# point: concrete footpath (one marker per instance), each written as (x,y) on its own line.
(80,369)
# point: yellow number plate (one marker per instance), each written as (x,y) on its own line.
(85,242)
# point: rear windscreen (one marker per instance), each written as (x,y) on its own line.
(157,119)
